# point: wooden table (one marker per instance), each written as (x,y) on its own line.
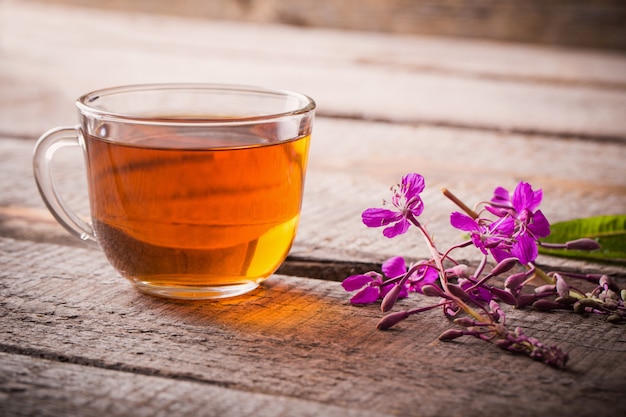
(76,339)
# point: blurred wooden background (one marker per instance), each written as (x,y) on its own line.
(467,114)
(579,23)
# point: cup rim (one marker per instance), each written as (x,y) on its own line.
(308,105)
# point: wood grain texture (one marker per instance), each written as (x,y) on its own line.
(77,339)
(29,386)
(345,177)
(45,66)
(295,337)
(563,22)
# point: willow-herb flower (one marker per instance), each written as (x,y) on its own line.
(487,235)
(515,230)
(530,222)
(421,275)
(408,205)
(479,294)
(506,230)
(372,287)
(516,341)
(369,286)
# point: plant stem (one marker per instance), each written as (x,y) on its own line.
(459,203)
(442,275)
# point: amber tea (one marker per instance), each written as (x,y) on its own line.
(177,217)
(195,189)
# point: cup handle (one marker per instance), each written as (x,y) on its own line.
(45,148)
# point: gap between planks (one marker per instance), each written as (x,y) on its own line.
(318,265)
(554,135)
(38,225)
(499,76)
(423,122)
(32,389)
(101,364)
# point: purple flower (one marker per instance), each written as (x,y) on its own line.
(517,342)
(478,294)
(369,285)
(408,204)
(487,235)
(372,286)
(425,273)
(531,224)
(501,197)
(394,267)
(523,197)
(522,206)
(516,229)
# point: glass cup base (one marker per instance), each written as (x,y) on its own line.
(195,293)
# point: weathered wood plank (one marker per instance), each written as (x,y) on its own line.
(565,22)
(345,178)
(53,54)
(68,316)
(30,386)
(294,338)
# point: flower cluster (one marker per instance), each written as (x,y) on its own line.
(516,228)
(506,229)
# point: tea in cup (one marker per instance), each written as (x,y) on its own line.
(194,190)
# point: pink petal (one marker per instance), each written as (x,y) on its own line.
(355,282)
(463,222)
(377,217)
(430,276)
(525,249)
(397,229)
(501,195)
(504,226)
(500,254)
(537,197)
(415,184)
(523,197)
(416,206)
(394,267)
(366,295)
(540,227)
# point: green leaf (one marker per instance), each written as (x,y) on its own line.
(608,231)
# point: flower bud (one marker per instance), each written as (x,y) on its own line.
(515,281)
(566,300)
(391,320)
(431,290)
(545,288)
(561,286)
(458,292)
(614,318)
(547,305)
(460,271)
(495,308)
(504,266)
(451,310)
(582,244)
(503,343)
(589,302)
(579,308)
(608,295)
(465,321)
(451,335)
(525,300)
(504,296)
(390,298)
(607,282)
